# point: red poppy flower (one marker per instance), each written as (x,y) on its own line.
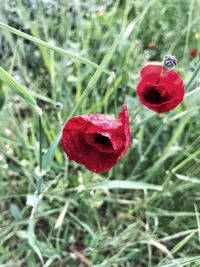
(97,141)
(158,90)
(193,53)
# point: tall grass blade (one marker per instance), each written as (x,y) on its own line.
(18,89)
(50,46)
(121,184)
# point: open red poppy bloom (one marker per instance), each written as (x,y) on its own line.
(97,141)
(158,90)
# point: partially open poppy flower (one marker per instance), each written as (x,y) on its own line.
(160,90)
(97,141)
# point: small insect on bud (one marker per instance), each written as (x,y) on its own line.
(169,62)
(58,106)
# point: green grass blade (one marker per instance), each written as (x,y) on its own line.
(151,117)
(198,220)
(47,159)
(196,90)
(18,89)
(191,10)
(192,79)
(34,31)
(179,130)
(121,184)
(182,243)
(50,46)
(193,180)
(188,159)
(32,240)
(182,262)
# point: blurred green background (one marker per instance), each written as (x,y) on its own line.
(145,211)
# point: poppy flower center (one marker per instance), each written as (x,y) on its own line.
(102,140)
(156,94)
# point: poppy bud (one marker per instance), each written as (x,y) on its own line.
(169,62)
(58,106)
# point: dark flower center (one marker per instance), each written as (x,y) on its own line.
(102,140)
(156,95)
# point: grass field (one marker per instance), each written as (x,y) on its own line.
(79,57)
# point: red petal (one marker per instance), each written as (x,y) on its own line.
(124,118)
(171,77)
(72,139)
(151,69)
(99,162)
(103,121)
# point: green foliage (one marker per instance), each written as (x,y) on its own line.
(145,211)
